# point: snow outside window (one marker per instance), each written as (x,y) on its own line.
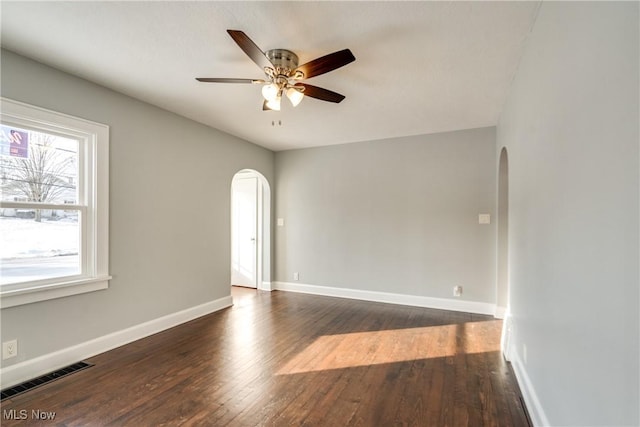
(53,204)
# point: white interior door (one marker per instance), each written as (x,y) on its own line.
(244,232)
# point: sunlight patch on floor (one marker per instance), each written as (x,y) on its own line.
(396,345)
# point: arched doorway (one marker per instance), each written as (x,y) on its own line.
(250,230)
(502,291)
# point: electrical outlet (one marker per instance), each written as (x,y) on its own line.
(296,276)
(457,291)
(9,349)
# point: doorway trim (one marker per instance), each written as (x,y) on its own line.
(502,265)
(263,238)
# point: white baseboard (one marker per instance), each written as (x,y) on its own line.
(505,337)
(538,417)
(33,368)
(500,312)
(265,286)
(413,300)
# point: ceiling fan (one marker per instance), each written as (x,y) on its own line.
(284,75)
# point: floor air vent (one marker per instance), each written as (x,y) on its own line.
(45,379)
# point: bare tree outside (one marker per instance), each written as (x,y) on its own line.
(44,176)
(36,242)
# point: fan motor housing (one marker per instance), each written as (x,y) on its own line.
(282,58)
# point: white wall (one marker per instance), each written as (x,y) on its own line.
(571,129)
(397,216)
(170,188)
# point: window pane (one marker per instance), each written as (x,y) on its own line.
(37,166)
(38,244)
(36,250)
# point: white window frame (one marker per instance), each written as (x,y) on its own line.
(93,203)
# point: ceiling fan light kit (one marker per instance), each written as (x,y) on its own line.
(271,91)
(295,95)
(284,75)
(273,104)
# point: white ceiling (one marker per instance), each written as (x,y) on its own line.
(421,67)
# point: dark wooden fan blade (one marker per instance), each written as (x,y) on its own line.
(250,48)
(320,93)
(225,80)
(326,63)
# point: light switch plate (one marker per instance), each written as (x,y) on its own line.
(484,219)
(280,222)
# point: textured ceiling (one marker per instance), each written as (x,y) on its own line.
(421,67)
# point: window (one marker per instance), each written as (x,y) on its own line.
(53,204)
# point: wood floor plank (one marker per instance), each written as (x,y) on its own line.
(279,359)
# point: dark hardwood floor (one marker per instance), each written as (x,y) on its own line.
(280,359)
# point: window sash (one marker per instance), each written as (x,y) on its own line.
(39,205)
(92,203)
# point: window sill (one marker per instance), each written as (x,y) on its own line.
(33,294)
